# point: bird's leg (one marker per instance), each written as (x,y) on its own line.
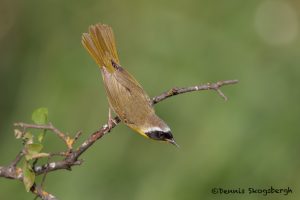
(111,120)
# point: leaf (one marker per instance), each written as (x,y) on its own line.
(32,149)
(40,116)
(41,136)
(28,176)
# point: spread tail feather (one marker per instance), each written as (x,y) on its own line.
(100,43)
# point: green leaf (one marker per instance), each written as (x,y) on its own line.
(41,135)
(28,176)
(32,150)
(40,116)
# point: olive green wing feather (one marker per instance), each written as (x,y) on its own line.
(126,96)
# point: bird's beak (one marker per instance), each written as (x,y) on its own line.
(172,141)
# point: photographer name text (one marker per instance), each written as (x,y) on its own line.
(252,190)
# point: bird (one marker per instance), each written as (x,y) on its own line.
(126,97)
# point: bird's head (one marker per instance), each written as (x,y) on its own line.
(161,135)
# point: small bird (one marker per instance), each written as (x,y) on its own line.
(125,95)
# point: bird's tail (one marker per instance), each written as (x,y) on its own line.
(100,43)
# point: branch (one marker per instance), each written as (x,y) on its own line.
(71,156)
(17,174)
(50,127)
(17,159)
(209,86)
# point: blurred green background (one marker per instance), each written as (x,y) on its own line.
(252,140)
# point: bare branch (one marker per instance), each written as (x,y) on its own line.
(41,126)
(77,135)
(11,172)
(17,159)
(50,127)
(209,86)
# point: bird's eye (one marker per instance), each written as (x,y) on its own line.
(159,134)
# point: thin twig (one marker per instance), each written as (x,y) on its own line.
(77,135)
(49,126)
(17,159)
(209,86)
(94,137)
(44,176)
(63,154)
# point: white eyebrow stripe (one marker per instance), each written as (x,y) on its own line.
(155,128)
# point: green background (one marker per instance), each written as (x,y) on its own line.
(252,140)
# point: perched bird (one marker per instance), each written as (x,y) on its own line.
(126,96)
